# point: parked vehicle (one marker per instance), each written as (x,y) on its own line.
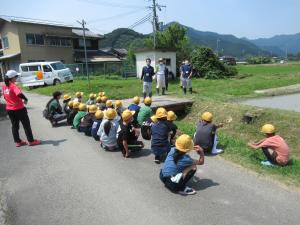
(44,73)
(229,60)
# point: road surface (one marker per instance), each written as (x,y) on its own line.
(69,181)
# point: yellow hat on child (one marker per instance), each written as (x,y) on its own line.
(184,143)
(268,129)
(76,105)
(161,113)
(110,114)
(98,99)
(79,94)
(109,103)
(207,116)
(99,114)
(104,99)
(136,100)
(118,103)
(70,104)
(93,108)
(148,101)
(67,97)
(154,119)
(82,107)
(171,116)
(101,94)
(127,115)
(92,96)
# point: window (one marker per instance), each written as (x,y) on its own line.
(55,41)
(87,42)
(34,68)
(168,62)
(58,66)
(5,42)
(47,68)
(35,39)
(24,68)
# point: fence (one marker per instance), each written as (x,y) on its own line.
(102,69)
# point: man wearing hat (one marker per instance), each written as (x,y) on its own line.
(160,77)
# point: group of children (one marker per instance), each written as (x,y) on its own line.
(117,128)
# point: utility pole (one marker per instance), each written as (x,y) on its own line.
(83,23)
(155,20)
(218,41)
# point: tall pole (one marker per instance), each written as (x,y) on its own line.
(155,23)
(83,23)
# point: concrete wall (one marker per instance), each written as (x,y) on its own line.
(44,52)
(10,31)
(154,56)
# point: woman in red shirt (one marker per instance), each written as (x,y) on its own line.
(16,109)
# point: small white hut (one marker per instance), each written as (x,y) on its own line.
(155,54)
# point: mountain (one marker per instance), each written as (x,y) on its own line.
(283,43)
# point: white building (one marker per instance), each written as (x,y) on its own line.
(155,55)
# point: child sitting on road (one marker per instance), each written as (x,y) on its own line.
(160,132)
(74,111)
(102,105)
(206,134)
(145,111)
(109,104)
(119,107)
(146,127)
(81,113)
(128,135)
(96,124)
(78,96)
(171,118)
(66,108)
(273,146)
(87,121)
(108,131)
(91,100)
(98,102)
(136,108)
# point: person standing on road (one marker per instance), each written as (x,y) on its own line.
(186,76)
(179,167)
(147,77)
(160,77)
(16,110)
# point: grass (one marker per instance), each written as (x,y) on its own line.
(219,97)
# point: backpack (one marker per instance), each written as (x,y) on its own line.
(146,130)
(46,113)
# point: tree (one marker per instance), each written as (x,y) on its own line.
(207,64)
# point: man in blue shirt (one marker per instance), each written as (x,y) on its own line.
(186,76)
(147,76)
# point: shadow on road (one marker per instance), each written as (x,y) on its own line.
(139,154)
(53,142)
(202,184)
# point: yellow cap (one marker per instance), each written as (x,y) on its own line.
(82,107)
(171,116)
(109,103)
(184,143)
(110,114)
(99,114)
(118,103)
(79,94)
(70,104)
(93,108)
(101,94)
(147,101)
(154,119)
(98,99)
(161,113)
(268,129)
(127,115)
(76,105)
(67,97)
(103,99)
(136,100)
(207,116)
(92,96)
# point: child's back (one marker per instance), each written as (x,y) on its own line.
(205,134)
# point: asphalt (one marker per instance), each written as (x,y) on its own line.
(69,180)
(287,102)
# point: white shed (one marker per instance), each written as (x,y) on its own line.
(155,55)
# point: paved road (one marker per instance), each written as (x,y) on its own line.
(69,181)
(288,102)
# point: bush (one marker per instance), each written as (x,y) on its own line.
(207,65)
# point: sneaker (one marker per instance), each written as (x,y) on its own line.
(21,143)
(217,151)
(157,160)
(266,163)
(35,142)
(187,191)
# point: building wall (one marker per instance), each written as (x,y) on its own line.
(10,31)
(154,56)
(44,52)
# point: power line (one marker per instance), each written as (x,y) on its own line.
(141,21)
(112,4)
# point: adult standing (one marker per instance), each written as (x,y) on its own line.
(16,110)
(147,77)
(160,77)
(186,76)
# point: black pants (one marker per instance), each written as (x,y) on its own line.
(271,157)
(15,117)
(175,187)
(167,82)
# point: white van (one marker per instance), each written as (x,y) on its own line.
(44,73)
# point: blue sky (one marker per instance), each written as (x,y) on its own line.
(242,18)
